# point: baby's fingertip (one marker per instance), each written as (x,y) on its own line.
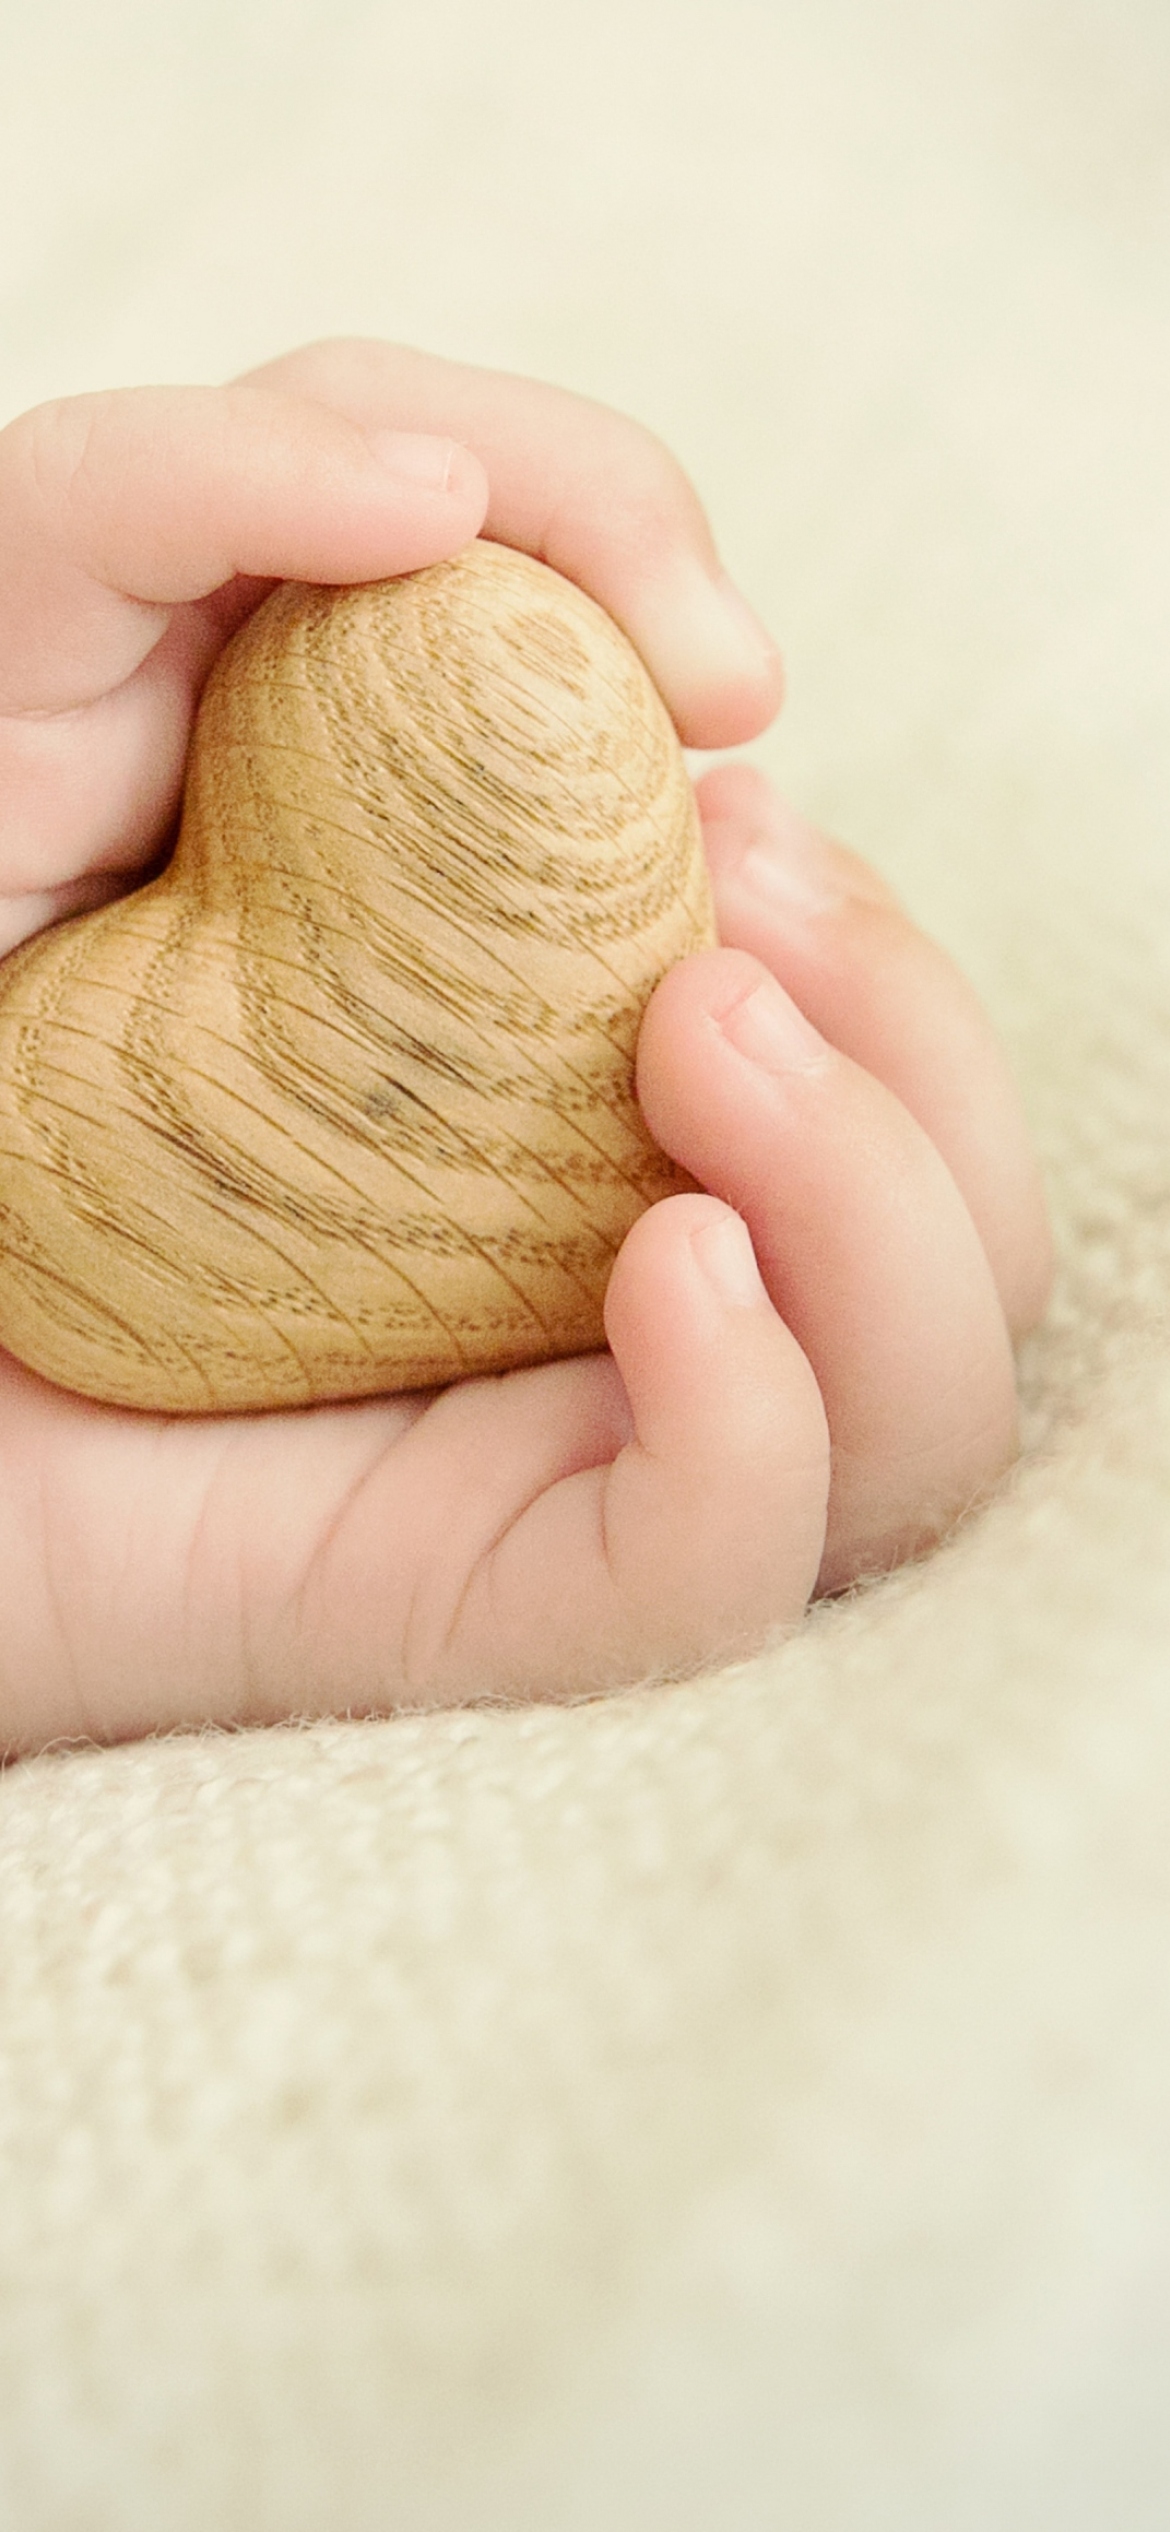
(697,1249)
(730,1433)
(723,1249)
(692,1328)
(661,1300)
(766,858)
(717,666)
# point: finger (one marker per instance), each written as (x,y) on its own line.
(864,1242)
(592,1521)
(705,1531)
(594,495)
(873,984)
(118,508)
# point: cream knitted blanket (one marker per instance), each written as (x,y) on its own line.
(744,2105)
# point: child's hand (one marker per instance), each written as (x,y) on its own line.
(594,1520)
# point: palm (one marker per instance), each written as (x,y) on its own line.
(214,1555)
(339,1558)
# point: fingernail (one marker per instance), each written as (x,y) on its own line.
(788,864)
(416,457)
(767,1026)
(706,630)
(740,626)
(725,1253)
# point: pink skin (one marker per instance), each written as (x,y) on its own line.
(756,1431)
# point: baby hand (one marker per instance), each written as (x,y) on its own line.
(778,1412)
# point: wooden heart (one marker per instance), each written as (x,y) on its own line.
(342,1101)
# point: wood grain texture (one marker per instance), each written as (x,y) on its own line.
(342,1101)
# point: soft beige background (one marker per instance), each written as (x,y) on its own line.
(745,2106)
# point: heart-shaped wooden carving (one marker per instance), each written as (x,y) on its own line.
(343,1102)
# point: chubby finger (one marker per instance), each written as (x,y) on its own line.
(706,1529)
(593,494)
(596,1521)
(119,507)
(865,1244)
(884,994)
